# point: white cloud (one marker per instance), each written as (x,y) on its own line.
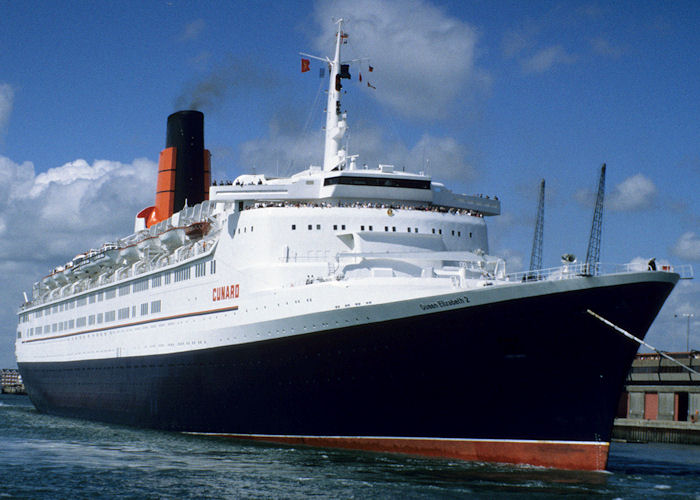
(48,218)
(687,247)
(634,193)
(7,97)
(443,158)
(70,208)
(193,29)
(604,47)
(545,59)
(424,58)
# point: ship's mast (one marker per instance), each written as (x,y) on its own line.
(334,155)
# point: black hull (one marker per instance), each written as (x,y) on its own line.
(537,368)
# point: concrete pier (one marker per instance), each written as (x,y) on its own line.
(661,401)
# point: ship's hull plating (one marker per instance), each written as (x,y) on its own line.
(534,380)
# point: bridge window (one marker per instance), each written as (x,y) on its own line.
(377,181)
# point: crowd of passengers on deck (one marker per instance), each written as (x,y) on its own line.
(385,206)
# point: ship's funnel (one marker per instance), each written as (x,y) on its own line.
(184,170)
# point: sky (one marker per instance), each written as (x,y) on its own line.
(486,96)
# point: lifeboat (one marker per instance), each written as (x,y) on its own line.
(129,254)
(49,281)
(172,238)
(59,276)
(151,243)
(197,230)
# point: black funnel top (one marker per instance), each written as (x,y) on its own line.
(186,133)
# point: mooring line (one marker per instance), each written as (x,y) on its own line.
(640,341)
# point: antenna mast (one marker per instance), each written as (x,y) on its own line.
(536,256)
(334,154)
(593,252)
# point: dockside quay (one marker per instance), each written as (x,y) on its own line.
(661,401)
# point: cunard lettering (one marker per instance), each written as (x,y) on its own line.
(224,292)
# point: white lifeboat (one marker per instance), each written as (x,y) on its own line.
(129,254)
(172,238)
(151,243)
(59,276)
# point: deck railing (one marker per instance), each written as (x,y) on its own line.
(574,270)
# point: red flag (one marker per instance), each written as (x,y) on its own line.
(360,76)
(305,65)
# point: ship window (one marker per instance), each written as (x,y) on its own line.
(370,228)
(335,227)
(453,232)
(240,206)
(182,274)
(111,293)
(19,334)
(155,306)
(362,228)
(377,181)
(459,233)
(99,318)
(109,316)
(167,277)
(133,311)
(124,313)
(61,307)
(92,298)
(144,309)
(470,234)
(440,231)
(81,301)
(200,269)
(54,327)
(155,281)
(82,321)
(141,285)
(342,227)
(71,324)
(47,312)
(251,229)
(91,319)
(212,267)
(245,229)
(386,228)
(310,227)
(433,230)
(100,297)
(393,229)
(408,229)
(294,227)
(318,226)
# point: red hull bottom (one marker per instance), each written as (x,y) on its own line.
(569,455)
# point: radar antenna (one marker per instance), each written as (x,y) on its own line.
(536,256)
(593,252)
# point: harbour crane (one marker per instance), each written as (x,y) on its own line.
(593,252)
(536,256)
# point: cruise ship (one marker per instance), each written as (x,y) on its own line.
(343,306)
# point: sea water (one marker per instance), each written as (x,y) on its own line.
(50,457)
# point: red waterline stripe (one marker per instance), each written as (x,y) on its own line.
(135,323)
(570,455)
